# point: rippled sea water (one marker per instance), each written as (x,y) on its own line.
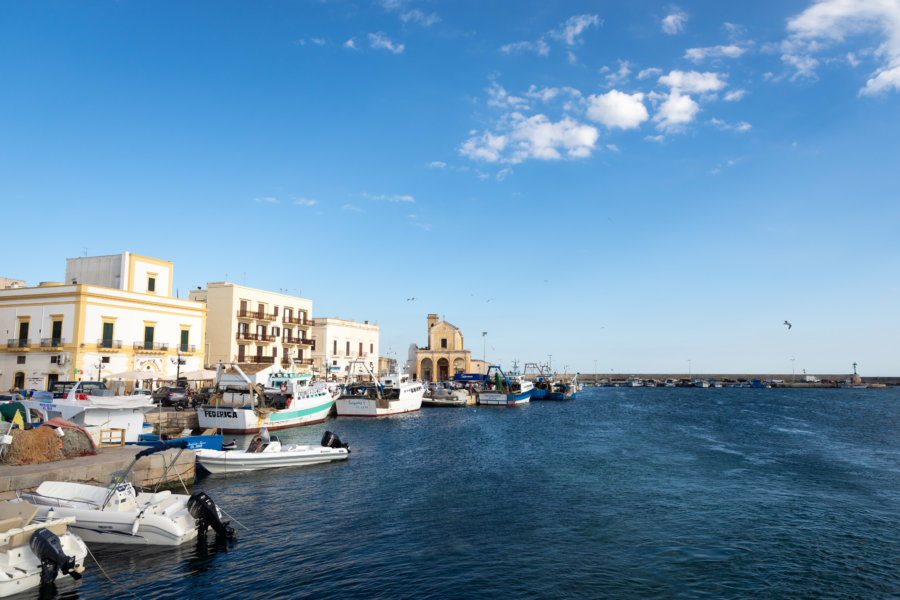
(623,493)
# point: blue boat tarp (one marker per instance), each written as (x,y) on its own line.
(468,377)
(194,442)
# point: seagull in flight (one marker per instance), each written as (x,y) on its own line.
(489,299)
(788,324)
(410,299)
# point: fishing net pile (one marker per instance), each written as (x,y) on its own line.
(44,444)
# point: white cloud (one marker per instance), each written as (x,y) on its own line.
(832,22)
(693,82)
(740,127)
(675,112)
(503,173)
(700,54)
(352,208)
(612,147)
(436,164)
(314,41)
(621,75)
(734,95)
(574,27)
(487,147)
(305,202)
(534,137)
(351,43)
(674,22)
(542,94)
(417,16)
(266,200)
(539,47)
(651,72)
(497,96)
(381,42)
(402,198)
(617,109)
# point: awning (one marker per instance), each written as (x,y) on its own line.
(134,375)
(199,375)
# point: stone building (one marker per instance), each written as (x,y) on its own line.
(113,314)
(251,326)
(445,354)
(339,341)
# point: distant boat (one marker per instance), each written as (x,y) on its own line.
(562,390)
(504,390)
(670,383)
(392,395)
(854,386)
(701,383)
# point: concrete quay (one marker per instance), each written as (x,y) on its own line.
(98,468)
(787,380)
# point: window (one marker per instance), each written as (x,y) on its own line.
(107,340)
(23,334)
(360,349)
(151,284)
(335,348)
(348,348)
(104,359)
(148,337)
(185,338)
(20,360)
(275,352)
(443,342)
(54,360)
(56,333)
(371,348)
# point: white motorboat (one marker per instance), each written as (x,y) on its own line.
(120,515)
(445,397)
(93,408)
(286,400)
(32,553)
(504,390)
(392,395)
(266,452)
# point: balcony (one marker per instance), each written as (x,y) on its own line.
(255,337)
(307,362)
(52,342)
(298,321)
(108,344)
(186,348)
(263,360)
(298,340)
(151,346)
(18,343)
(258,315)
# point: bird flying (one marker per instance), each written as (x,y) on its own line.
(788,324)
(410,299)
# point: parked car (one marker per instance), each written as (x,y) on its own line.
(60,389)
(171,396)
(203,395)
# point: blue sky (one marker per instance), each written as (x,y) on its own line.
(639,184)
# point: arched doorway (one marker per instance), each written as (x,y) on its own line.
(443,369)
(459,366)
(19,380)
(427,369)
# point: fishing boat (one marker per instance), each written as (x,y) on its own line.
(501,389)
(96,407)
(393,394)
(32,553)
(542,380)
(266,452)
(564,390)
(445,397)
(118,514)
(286,400)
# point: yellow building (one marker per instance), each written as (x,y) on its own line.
(113,314)
(445,354)
(247,325)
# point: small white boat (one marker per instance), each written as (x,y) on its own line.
(32,554)
(445,397)
(392,395)
(119,515)
(266,452)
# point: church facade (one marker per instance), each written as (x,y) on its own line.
(445,354)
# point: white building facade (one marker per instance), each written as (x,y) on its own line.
(86,329)
(247,325)
(338,342)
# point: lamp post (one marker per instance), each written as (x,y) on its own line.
(177,366)
(484,349)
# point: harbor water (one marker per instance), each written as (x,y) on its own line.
(623,493)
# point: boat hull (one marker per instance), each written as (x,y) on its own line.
(20,569)
(220,461)
(244,420)
(352,406)
(503,399)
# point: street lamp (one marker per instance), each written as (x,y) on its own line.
(484,349)
(178,366)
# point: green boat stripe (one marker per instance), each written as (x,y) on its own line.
(283,416)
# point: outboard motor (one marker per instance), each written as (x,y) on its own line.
(46,546)
(330,440)
(202,508)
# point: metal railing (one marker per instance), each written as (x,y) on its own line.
(151,346)
(258,315)
(297,361)
(263,360)
(18,342)
(255,337)
(108,343)
(298,321)
(52,342)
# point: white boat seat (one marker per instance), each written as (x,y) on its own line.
(145,498)
(77,492)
